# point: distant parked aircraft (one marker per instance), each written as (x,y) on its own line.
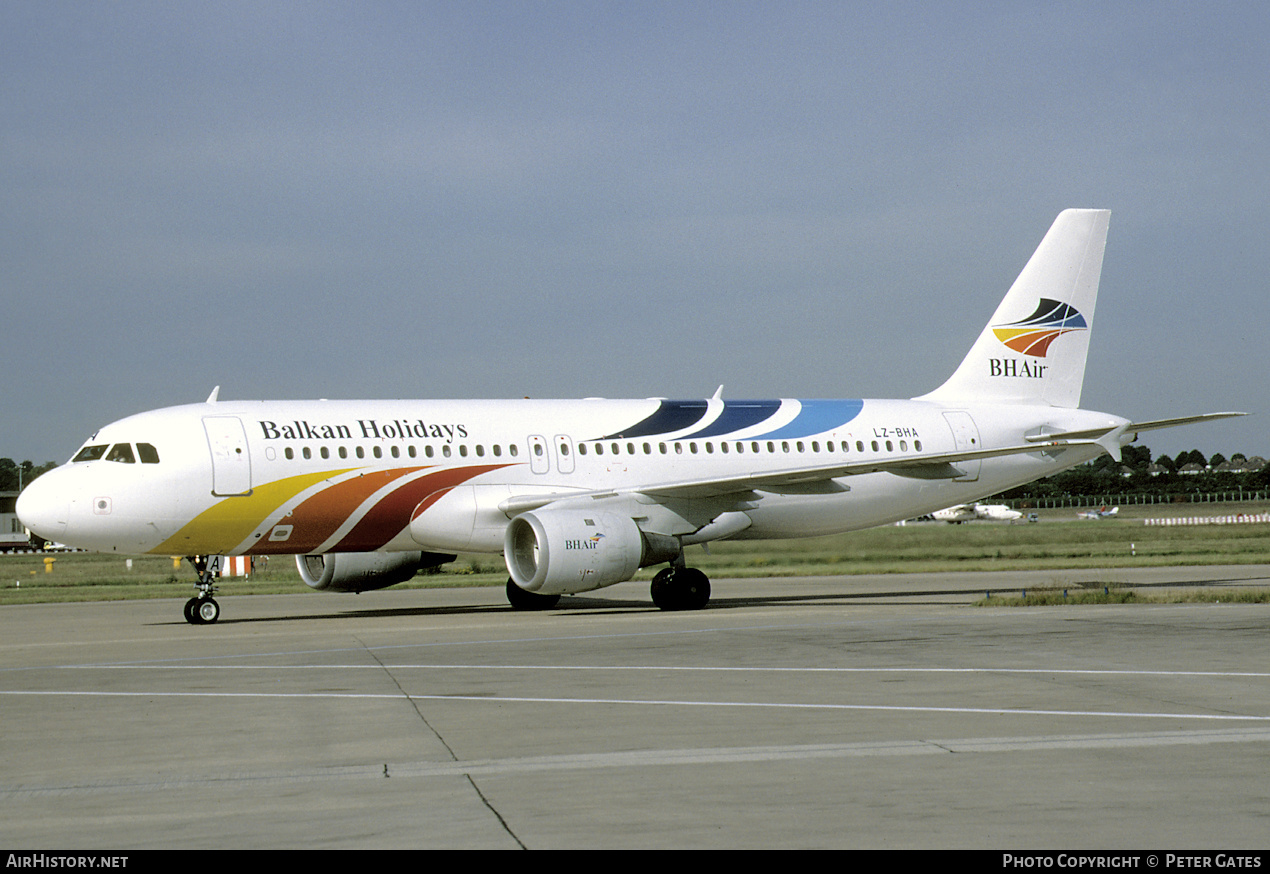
(1101,513)
(969,512)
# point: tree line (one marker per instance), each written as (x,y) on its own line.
(15,476)
(1136,474)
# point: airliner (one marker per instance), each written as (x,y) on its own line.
(581,494)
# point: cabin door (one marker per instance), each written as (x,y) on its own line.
(231,461)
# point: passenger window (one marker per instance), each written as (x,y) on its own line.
(121,452)
(147,453)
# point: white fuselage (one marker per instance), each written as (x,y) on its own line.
(306,477)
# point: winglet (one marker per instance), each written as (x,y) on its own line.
(211,399)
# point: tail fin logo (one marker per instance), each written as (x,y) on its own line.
(1033,335)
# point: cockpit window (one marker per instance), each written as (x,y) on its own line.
(148,454)
(121,452)
(90,453)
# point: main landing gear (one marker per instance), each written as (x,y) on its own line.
(674,588)
(202,609)
(523,600)
(680,588)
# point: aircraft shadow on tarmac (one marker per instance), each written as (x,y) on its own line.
(576,605)
(580,605)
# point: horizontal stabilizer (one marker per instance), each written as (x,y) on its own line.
(1157,424)
(1131,428)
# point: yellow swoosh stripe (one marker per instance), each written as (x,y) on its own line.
(228,523)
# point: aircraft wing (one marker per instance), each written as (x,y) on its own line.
(940,466)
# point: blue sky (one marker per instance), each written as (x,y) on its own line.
(621,199)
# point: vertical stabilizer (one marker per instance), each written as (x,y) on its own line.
(1033,349)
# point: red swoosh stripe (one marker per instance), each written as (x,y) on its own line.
(318,516)
(391,516)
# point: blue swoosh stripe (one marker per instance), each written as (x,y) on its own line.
(817,417)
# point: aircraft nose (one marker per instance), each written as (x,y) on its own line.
(44,508)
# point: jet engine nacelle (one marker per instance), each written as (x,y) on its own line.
(363,571)
(556,552)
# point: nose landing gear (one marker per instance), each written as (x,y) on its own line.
(202,609)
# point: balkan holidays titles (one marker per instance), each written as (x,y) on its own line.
(397,429)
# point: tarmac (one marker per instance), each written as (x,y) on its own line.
(826,712)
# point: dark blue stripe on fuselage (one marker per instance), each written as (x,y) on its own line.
(737,415)
(671,416)
(814,417)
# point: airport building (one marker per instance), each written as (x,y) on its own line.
(13,534)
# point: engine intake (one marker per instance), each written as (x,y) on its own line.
(364,571)
(555,552)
